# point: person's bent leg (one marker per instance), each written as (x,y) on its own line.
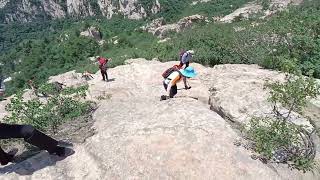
(165,85)
(173,91)
(102,74)
(32,136)
(8,131)
(39,139)
(187,65)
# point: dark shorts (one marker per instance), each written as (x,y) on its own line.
(173,91)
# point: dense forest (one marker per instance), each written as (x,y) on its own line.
(44,48)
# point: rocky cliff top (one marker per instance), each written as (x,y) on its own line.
(139,137)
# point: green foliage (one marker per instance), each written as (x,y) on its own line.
(147,5)
(271,135)
(265,4)
(95,6)
(48,89)
(276,137)
(211,47)
(171,10)
(78,92)
(15,33)
(50,114)
(35,2)
(294,93)
(292,34)
(47,57)
(281,141)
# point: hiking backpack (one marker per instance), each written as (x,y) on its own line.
(167,72)
(181,54)
(103,67)
(103,63)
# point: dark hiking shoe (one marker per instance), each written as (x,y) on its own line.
(164,97)
(5,161)
(9,157)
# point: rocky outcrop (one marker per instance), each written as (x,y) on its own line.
(129,9)
(27,10)
(156,7)
(199,1)
(69,79)
(107,8)
(279,5)
(93,32)
(243,12)
(53,9)
(237,92)
(158,27)
(139,137)
(3,3)
(254,7)
(79,8)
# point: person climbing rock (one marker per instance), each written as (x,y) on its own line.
(103,67)
(170,82)
(185,58)
(34,137)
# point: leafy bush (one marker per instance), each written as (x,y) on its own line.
(171,10)
(271,135)
(276,137)
(78,92)
(48,89)
(47,115)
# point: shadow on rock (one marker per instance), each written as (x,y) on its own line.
(111,80)
(35,163)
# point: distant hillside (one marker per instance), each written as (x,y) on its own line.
(39,49)
(34,10)
(29,10)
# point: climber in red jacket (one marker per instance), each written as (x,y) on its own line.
(103,67)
